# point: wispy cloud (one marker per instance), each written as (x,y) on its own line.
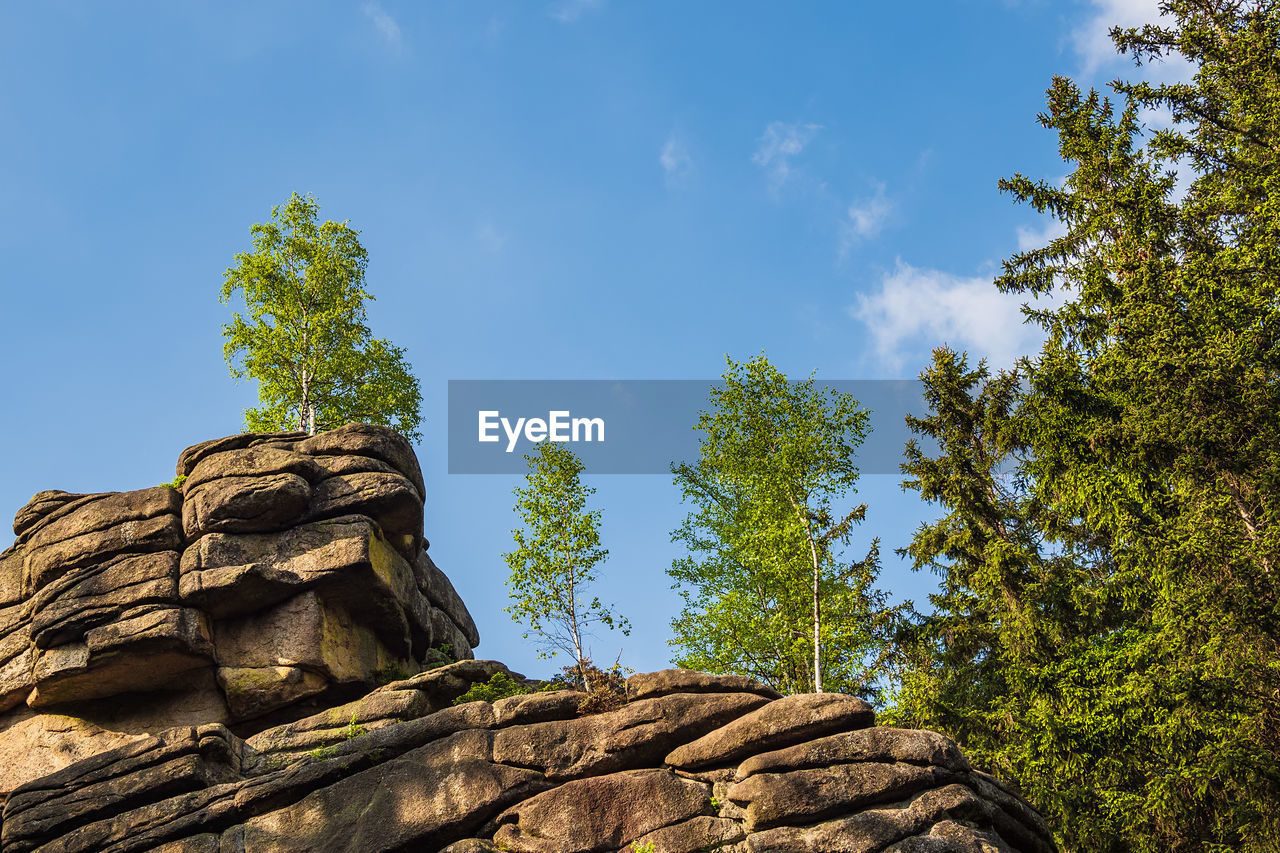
(675,160)
(1092,39)
(385,24)
(568,11)
(864,218)
(1161,118)
(1037,238)
(915,310)
(780,142)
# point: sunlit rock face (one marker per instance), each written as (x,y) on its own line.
(684,762)
(266,659)
(284,574)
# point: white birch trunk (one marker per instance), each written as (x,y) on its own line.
(817,621)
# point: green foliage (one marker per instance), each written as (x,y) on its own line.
(604,690)
(766,573)
(554,562)
(353,729)
(1108,630)
(176,482)
(637,847)
(394,672)
(499,686)
(305,338)
(438,656)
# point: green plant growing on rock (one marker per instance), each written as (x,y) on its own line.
(499,686)
(176,482)
(394,672)
(605,689)
(354,729)
(554,562)
(438,656)
(350,731)
(305,336)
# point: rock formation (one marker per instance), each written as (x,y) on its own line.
(285,574)
(204,669)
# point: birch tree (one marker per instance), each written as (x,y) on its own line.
(554,562)
(768,590)
(304,335)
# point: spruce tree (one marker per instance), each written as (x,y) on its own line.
(1108,631)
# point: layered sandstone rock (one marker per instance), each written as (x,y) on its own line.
(285,573)
(690,763)
(266,660)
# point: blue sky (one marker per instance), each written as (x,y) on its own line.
(569,189)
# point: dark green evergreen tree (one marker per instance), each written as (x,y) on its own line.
(1108,631)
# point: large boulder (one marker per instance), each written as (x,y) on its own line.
(404,768)
(284,573)
(265,658)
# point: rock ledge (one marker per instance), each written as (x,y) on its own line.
(266,660)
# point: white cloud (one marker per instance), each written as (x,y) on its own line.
(782,141)
(568,11)
(865,218)
(1092,39)
(1156,118)
(916,310)
(1161,118)
(1037,238)
(385,24)
(675,160)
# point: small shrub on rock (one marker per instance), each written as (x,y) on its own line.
(439,656)
(605,689)
(393,672)
(354,729)
(499,686)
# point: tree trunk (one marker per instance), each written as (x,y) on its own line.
(582,667)
(577,647)
(802,512)
(306,415)
(817,627)
(573,627)
(817,609)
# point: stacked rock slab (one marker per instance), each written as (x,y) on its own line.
(687,763)
(204,669)
(283,574)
